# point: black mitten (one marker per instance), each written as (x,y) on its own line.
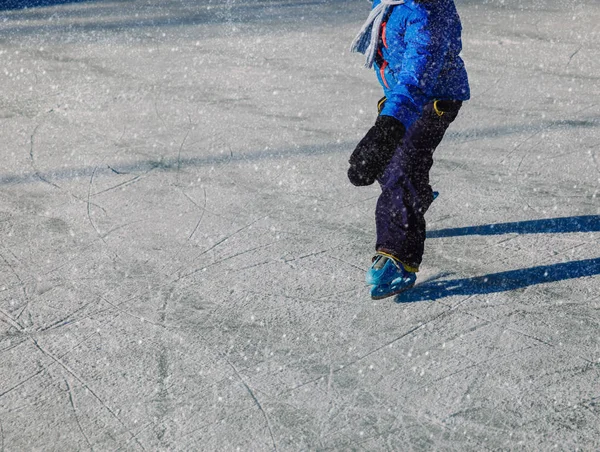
(375,150)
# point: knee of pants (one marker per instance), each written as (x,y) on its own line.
(397,171)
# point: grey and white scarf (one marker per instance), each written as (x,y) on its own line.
(368,38)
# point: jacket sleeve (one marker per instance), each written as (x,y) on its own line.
(424,55)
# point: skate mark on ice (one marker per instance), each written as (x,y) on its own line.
(206,425)
(121,226)
(304,256)
(203,211)
(44,178)
(220,261)
(162,359)
(135,436)
(565,251)
(141,319)
(214,246)
(32,160)
(89,211)
(21,285)
(470,367)
(11,346)
(502,282)
(114,170)
(131,181)
(187,133)
(269,294)
(58,360)
(222,356)
(66,320)
(374,350)
(8,319)
(360,269)
(74,408)
(86,386)
(517,184)
(573,55)
(43,369)
(180,249)
(21,383)
(253,396)
(507,328)
(257,264)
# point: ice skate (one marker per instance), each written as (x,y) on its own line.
(388,277)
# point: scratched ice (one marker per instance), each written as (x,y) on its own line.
(182,257)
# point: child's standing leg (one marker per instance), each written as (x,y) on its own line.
(406,194)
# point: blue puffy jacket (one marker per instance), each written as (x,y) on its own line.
(418,57)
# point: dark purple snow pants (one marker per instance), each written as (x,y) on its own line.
(405,191)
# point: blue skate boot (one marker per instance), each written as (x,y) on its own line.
(388,277)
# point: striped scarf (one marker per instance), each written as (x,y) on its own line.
(368,38)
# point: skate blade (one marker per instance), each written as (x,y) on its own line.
(391,293)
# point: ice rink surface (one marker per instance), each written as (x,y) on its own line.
(182,257)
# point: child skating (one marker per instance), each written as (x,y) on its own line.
(414,47)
